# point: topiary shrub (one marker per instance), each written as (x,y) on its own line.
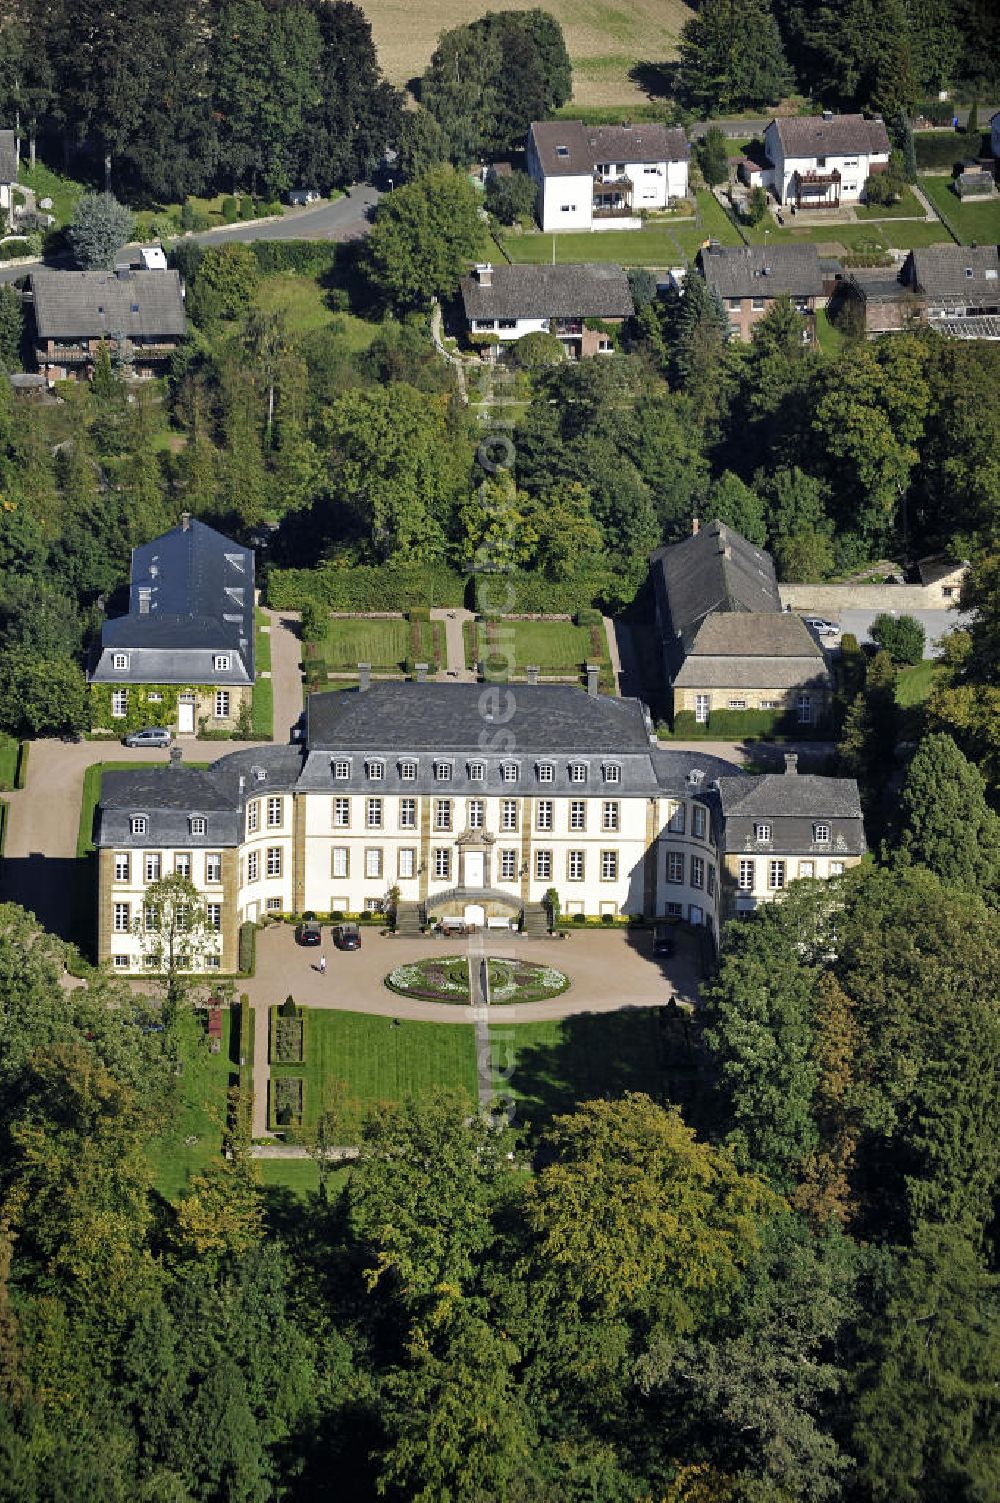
(229,209)
(588,616)
(288,1008)
(608,919)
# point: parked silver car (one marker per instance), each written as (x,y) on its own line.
(821,626)
(153,735)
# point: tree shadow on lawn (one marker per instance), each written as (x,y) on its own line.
(658,80)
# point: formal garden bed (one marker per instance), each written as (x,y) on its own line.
(446,979)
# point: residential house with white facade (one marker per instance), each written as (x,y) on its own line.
(594,177)
(8,174)
(471,801)
(820,162)
(570,302)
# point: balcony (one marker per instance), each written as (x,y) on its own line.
(563,326)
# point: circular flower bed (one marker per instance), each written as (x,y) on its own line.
(446,979)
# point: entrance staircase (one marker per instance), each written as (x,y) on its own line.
(536,921)
(408,919)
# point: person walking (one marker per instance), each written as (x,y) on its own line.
(322,965)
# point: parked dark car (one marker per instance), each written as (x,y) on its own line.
(308,933)
(347,937)
(663,941)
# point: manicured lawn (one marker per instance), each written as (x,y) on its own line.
(972,222)
(909,206)
(875,236)
(559,648)
(549,1067)
(8,762)
(263,642)
(262,708)
(370,1060)
(660,243)
(63,191)
(384,644)
(200,1111)
(913,685)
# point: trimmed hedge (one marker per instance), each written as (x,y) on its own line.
(310,257)
(248,948)
(365,588)
(21,775)
(3,824)
(732,725)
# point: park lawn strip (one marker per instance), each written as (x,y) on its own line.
(200,1111)
(385,644)
(972,222)
(375,1060)
(557,647)
(262,709)
(263,647)
(8,762)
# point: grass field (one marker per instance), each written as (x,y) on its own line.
(909,206)
(549,1067)
(913,685)
(378,1060)
(840,239)
(972,222)
(302,302)
(557,647)
(661,243)
(201,1112)
(605,41)
(384,644)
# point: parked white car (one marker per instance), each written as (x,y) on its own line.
(821,626)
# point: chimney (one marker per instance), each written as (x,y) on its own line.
(593,669)
(420,669)
(364,676)
(185,521)
(175,756)
(532,672)
(695,526)
(791,764)
(484,274)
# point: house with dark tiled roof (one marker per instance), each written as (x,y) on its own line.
(8,174)
(749,278)
(954,288)
(511,301)
(820,162)
(402,796)
(727,645)
(607,173)
(183,656)
(139,315)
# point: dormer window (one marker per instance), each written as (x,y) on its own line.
(120,661)
(562,151)
(222,662)
(477,772)
(968,272)
(376,771)
(612,772)
(199,824)
(139,824)
(821,834)
(546,772)
(578,772)
(508,772)
(762,833)
(342,769)
(442,771)
(408,771)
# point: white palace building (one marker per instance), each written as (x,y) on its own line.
(472,801)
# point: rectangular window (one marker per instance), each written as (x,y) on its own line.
(836,868)
(373,905)
(610,815)
(543,814)
(803,709)
(575,866)
(150,918)
(407,814)
(340,861)
(821,834)
(122,917)
(673,910)
(578,814)
(702,705)
(274,861)
(442,814)
(609,866)
(139,824)
(274,813)
(199,825)
(442,771)
(733,303)
(151,868)
(476,809)
(675,821)
(253,865)
(543,865)
(697,871)
(442,863)
(213,867)
(612,773)
(546,772)
(121,962)
(406,863)
(757,304)
(182,864)
(807,868)
(119,703)
(746,878)
(711,881)
(342,769)
(775,875)
(508,866)
(222,704)
(762,833)
(508,814)
(373,814)
(699,821)
(123,866)
(578,772)
(675,866)
(407,771)
(342,813)
(737,704)
(376,771)
(120,661)
(373,861)
(222,662)
(477,772)
(253,817)
(508,772)
(213,912)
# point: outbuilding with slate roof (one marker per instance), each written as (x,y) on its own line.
(727,645)
(139,315)
(507,302)
(184,653)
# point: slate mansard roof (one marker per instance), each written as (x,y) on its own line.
(567,148)
(714,570)
(763,270)
(8,157)
(584,291)
(811,136)
(191,597)
(792,804)
(142,305)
